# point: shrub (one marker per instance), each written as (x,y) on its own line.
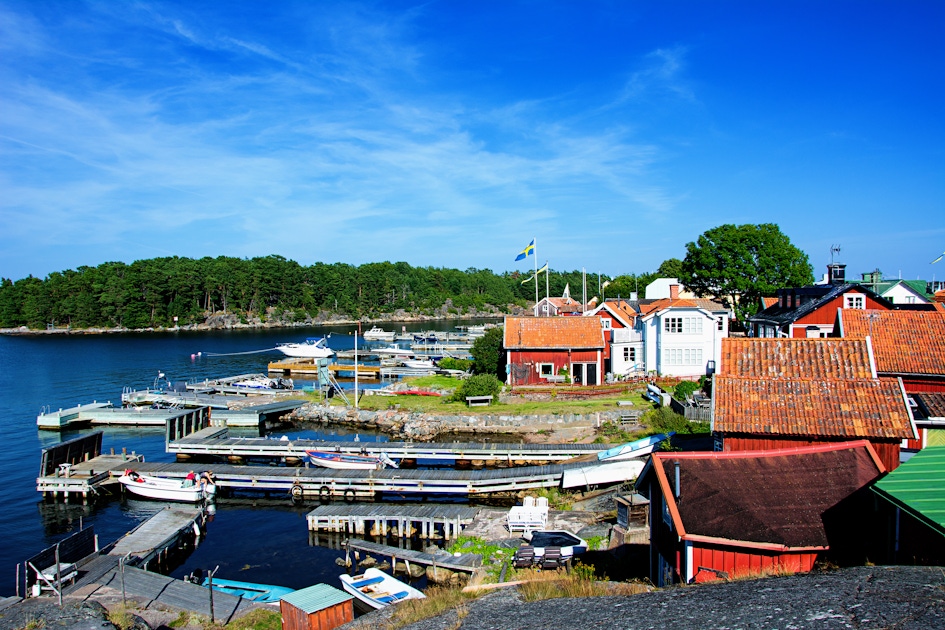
(478,385)
(664,420)
(449,363)
(685,389)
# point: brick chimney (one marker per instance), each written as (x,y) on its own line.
(674,291)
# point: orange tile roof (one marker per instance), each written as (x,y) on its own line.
(663,303)
(904,342)
(837,408)
(795,358)
(553,332)
(768,301)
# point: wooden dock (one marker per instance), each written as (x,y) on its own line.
(220,445)
(366,485)
(429,521)
(105,414)
(78,467)
(467,562)
(152,539)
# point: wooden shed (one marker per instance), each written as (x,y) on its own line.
(318,607)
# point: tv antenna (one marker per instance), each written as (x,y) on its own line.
(834,249)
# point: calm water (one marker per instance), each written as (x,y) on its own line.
(252,540)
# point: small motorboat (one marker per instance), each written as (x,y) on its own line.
(639,448)
(186,491)
(418,364)
(378,334)
(313,348)
(393,351)
(349,461)
(259,593)
(376,589)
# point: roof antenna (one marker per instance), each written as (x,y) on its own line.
(834,249)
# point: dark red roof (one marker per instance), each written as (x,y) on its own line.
(763,497)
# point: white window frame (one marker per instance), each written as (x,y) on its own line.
(673,325)
(541,367)
(605,323)
(682,356)
(854,301)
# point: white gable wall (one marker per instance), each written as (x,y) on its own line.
(680,341)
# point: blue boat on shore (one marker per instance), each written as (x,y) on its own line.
(259,593)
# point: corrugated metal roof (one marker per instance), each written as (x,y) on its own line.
(918,486)
(315,598)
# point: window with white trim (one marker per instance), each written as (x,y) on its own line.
(854,300)
(682,356)
(605,323)
(629,354)
(685,325)
(546,369)
(673,324)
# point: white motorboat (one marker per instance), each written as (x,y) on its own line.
(378,334)
(376,589)
(349,461)
(418,364)
(393,351)
(187,490)
(313,348)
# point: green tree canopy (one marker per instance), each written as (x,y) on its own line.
(487,354)
(738,264)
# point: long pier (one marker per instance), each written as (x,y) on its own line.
(467,562)
(429,521)
(157,535)
(366,485)
(217,443)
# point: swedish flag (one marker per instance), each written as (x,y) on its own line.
(528,251)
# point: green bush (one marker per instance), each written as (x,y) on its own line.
(478,385)
(664,420)
(449,363)
(685,389)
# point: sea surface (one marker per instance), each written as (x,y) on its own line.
(250,539)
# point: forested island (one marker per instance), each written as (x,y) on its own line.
(268,290)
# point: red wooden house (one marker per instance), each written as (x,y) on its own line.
(538,348)
(781,393)
(723,515)
(909,345)
(811,311)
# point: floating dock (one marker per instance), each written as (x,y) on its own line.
(105,414)
(155,537)
(216,443)
(467,562)
(78,467)
(428,521)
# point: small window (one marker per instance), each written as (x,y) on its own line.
(546,369)
(854,300)
(633,355)
(605,323)
(720,324)
(673,325)
(626,354)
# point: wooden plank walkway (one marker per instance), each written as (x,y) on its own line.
(155,536)
(220,445)
(468,562)
(177,594)
(351,485)
(430,521)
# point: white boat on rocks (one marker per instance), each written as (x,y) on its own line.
(376,589)
(187,490)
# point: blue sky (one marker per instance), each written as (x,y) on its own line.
(450,134)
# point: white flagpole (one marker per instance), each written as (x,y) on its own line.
(547,293)
(535,254)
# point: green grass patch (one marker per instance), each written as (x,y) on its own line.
(438,600)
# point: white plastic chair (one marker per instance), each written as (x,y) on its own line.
(528,502)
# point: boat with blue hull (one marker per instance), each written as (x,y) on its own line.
(259,593)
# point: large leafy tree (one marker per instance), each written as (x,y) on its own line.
(487,354)
(738,264)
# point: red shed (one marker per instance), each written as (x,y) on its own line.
(318,607)
(539,347)
(720,515)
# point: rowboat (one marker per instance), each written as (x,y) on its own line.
(167,489)
(376,589)
(639,448)
(259,593)
(349,461)
(313,348)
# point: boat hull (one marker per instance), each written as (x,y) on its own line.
(375,589)
(259,593)
(343,461)
(165,489)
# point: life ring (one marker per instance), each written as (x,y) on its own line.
(297,491)
(324,493)
(349,495)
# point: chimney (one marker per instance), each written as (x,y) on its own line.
(837,273)
(633,296)
(674,291)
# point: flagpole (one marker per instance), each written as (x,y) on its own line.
(535,252)
(547,292)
